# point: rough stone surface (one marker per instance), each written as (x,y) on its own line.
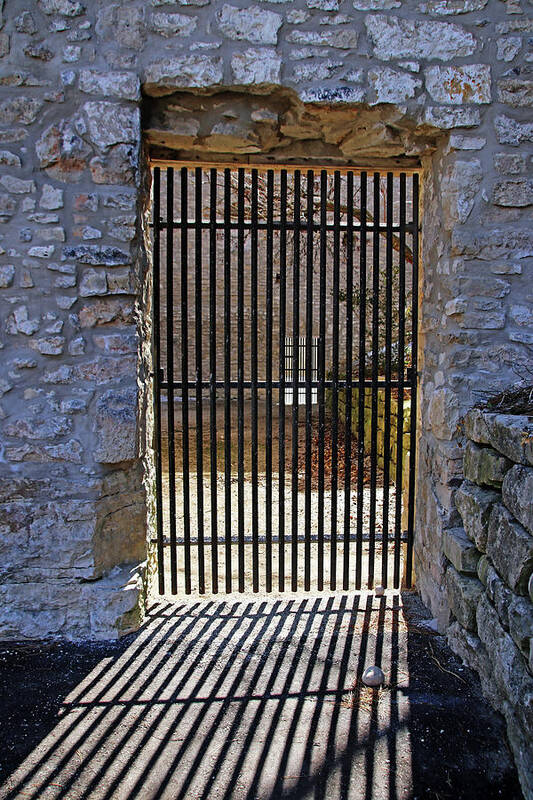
(116,426)
(475,506)
(458,85)
(484,466)
(394,37)
(464,593)
(460,551)
(512,436)
(510,548)
(517,493)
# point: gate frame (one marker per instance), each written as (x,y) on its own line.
(412,374)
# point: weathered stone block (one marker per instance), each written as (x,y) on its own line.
(124,85)
(517,493)
(475,505)
(395,37)
(517,192)
(516,92)
(476,426)
(512,435)
(256,66)
(521,622)
(443,413)
(96,255)
(509,669)
(484,466)
(510,548)
(252,24)
(115,426)
(510,131)
(183,72)
(469,83)
(460,551)
(464,593)
(498,593)
(111,123)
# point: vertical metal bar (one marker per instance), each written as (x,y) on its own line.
(375,391)
(269,321)
(170,379)
(335,376)
(308,377)
(295,378)
(240,375)
(227,376)
(213,374)
(184,360)
(156,338)
(348,390)
(198,178)
(414,386)
(361,357)
(281,367)
(388,356)
(255,476)
(401,368)
(322,376)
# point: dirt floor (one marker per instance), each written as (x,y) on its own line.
(253,698)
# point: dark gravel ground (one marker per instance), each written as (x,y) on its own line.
(458,748)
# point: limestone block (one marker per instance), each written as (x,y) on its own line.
(124,85)
(253,24)
(460,551)
(392,86)
(170,25)
(185,72)
(460,185)
(510,131)
(62,152)
(395,37)
(469,83)
(517,192)
(344,38)
(111,123)
(476,426)
(7,274)
(443,413)
(256,66)
(516,92)
(20,110)
(510,548)
(65,8)
(96,255)
(115,426)
(509,669)
(512,435)
(498,593)
(443,8)
(517,493)
(484,466)
(464,593)
(466,645)
(475,505)
(118,166)
(508,47)
(521,622)
(115,602)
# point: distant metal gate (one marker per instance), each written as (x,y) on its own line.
(251,491)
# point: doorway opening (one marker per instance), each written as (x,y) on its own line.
(283,467)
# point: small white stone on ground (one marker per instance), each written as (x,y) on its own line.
(373,676)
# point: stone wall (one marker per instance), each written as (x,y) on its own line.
(87,91)
(489,577)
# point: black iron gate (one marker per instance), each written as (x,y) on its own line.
(285,375)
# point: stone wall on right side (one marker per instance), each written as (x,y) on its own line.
(489,575)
